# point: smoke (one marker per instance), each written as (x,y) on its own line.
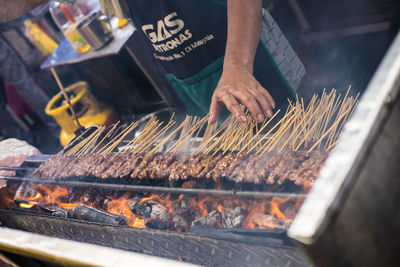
(344,42)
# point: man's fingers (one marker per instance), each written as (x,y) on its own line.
(268,96)
(215,110)
(234,107)
(264,104)
(252,105)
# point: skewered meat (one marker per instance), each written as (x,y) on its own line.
(273,168)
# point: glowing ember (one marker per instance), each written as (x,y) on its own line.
(275,207)
(172,212)
(68,206)
(26,205)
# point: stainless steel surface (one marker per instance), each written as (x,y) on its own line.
(72,253)
(66,54)
(350,217)
(96,30)
(68,2)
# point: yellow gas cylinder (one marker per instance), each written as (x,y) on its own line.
(89,111)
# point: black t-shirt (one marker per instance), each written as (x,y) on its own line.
(187,39)
(183,35)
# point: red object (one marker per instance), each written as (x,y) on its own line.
(67,13)
(15,101)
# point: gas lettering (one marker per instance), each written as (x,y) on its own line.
(167,33)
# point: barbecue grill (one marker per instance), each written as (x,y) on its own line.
(202,245)
(330,227)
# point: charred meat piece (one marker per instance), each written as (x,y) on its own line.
(309,170)
(68,167)
(116,165)
(220,166)
(161,171)
(133,160)
(291,162)
(199,165)
(50,166)
(243,169)
(149,169)
(211,162)
(84,163)
(236,161)
(102,166)
(145,161)
(176,169)
(98,165)
(190,163)
(266,173)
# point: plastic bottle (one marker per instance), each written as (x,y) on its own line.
(67,18)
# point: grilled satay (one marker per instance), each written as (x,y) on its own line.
(147,171)
(236,161)
(176,169)
(210,164)
(146,160)
(310,168)
(162,170)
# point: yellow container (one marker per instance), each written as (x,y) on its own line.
(89,111)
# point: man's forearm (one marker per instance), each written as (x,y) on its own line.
(237,84)
(12,9)
(244,28)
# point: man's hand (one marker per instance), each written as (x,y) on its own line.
(238,85)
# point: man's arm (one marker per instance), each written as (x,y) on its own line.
(12,9)
(237,83)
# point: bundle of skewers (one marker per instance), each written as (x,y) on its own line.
(292,149)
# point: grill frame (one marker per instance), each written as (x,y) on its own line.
(216,251)
(339,224)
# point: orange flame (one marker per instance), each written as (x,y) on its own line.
(260,214)
(26,205)
(121,207)
(275,210)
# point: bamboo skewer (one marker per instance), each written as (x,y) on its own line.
(122,137)
(302,127)
(102,140)
(334,126)
(91,139)
(69,145)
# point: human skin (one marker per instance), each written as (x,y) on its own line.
(237,83)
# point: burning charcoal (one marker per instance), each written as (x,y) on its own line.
(184,210)
(289,208)
(233,218)
(180,224)
(75,194)
(160,218)
(142,209)
(134,201)
(90,214)
(25,190)
(89,195)
(264,221)
(211,219)
(56,211)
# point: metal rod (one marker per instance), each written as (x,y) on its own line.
(53,71)
(159,189)
(5,168)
